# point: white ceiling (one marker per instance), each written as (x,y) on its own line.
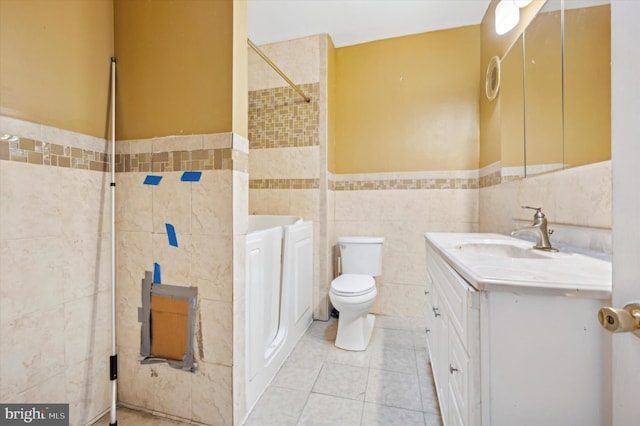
(357,21)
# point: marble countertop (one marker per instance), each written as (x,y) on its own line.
(526,271)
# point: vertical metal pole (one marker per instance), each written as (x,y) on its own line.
(113,360)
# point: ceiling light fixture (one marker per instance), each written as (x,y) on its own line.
(507,16)
(521,3)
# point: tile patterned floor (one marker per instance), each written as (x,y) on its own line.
(388,384)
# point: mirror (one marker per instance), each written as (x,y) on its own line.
(543,91)
(555,99)
(587,82)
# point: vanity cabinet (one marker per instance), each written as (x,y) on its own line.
(504,358)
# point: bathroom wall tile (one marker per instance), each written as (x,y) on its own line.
(277,407)
(378,415)
(535,191)
(134,203)
(215,329)
(51,390)
(240,203)
(25,185)
(393,389)
(431,419)
(299,59)
(25,129)
(89,271)
(211,209)
(217,140)
(172,391)
(177,143)
(172,203)
(304,203)
(88,392)
(403,205)
(33,276)
(342,380)
(269,201)
(175,262)
(304,162)
(73,139)
(453,206)
(87,327)
(583,195)
(211,393)
(400,300)
(357,205)
(211,267)
(325,409)
(31,350)
(135,381)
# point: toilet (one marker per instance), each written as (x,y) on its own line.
(353,292)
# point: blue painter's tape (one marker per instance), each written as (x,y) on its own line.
(171,233)
(191,176)
(152,180)
(157,279)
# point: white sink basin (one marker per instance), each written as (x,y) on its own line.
(503,250)
(500,262)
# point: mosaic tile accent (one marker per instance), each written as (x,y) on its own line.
(280,118)
(284,183)
(387,184)
(491,179)
(175,161)
(25,150)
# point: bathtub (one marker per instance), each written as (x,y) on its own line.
(279,286)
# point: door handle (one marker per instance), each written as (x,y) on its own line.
(621,320)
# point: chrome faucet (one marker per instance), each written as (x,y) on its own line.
(538,229)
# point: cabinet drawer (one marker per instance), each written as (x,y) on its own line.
(454,291)
(458,370)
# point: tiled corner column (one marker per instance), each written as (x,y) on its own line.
(209,217)
(55,304)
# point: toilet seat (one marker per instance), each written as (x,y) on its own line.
(351,285)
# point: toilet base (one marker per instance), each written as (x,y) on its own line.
(354,333)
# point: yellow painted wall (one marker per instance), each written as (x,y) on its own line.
(587,86)
(408,103)
(55,59)
(175,62)
(331,105)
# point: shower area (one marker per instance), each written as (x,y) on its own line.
(181,101)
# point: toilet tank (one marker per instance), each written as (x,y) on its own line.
(361,255)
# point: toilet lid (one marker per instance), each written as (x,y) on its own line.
(353,284)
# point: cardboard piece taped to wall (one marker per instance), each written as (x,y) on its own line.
(169,320)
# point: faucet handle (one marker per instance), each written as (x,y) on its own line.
(538,214)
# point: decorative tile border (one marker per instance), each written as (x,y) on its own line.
(284,183)
(178,161)
(364,185)
(32,151)
(280,118)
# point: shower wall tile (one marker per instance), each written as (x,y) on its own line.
(211,209)
(87,397)
(212,267)
(211,394)
(202,214)
(215,330)
(299,59)
(134,208)
(32,277)
(87,328)
(32,350)
(172,204)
